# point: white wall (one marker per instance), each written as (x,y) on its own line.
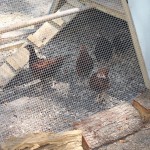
(140,10)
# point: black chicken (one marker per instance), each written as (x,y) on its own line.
(103,49)
(43,68)
(122,42)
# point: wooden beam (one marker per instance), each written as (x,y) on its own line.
(42,19)
(110,125)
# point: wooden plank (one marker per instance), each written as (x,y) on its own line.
(6,74)
(110,125)
(12,62)
(19,59)
(22,57)
(11,46)
(59,21)
(43,34)
(17,62)
(2,80)
(6,71)
(70,140)
(55,24)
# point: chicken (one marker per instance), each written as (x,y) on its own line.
(122,42)
(84,63)
(100,82)
(144,112)
(103,49)
(43,68)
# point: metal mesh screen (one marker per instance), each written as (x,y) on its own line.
(54,103)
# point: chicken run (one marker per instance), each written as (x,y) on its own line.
(80,59)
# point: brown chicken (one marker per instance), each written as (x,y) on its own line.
(84,64)
(43,68)
(144,112)
(100,82)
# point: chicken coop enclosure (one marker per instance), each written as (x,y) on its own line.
(58,69)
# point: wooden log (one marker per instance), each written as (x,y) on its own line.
(42,19)
(70,140)
(110,125)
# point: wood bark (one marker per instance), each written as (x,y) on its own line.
(110,125)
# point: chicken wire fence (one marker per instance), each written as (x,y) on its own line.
(69,88)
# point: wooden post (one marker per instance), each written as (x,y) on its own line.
(136,44)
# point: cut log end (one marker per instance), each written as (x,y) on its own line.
(70,140)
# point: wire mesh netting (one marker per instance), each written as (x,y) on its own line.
(89,66)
